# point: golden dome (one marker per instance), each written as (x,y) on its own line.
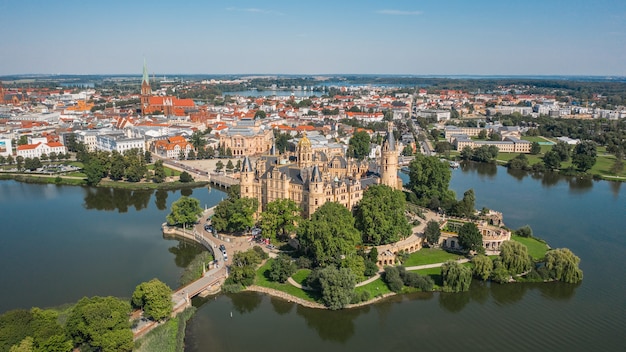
(304,142)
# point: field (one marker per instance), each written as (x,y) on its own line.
(429,256)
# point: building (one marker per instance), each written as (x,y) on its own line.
(6,148)
(246,138)
(169,106)
(119,142)
(313,178)
(172,147)
(36,150)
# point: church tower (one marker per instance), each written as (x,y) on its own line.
(389,160)
(1,93)
(145,90)
(305,152)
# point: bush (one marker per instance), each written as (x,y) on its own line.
(262,254)
(524,231)
(423,283)
(370,268)
(282,268)
(358,297)
(303,263)
(392,278)
(232,288)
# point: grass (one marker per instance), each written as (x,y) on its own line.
(375,288)
(429,256)
(536,248)
(301,275)
(168,337)
(435,274)
(262,279)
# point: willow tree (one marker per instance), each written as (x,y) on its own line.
(456,277)
(515,257)
(563,265)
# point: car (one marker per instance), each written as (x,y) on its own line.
(222,248)
(271,246)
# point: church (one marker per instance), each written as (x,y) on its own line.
(315,177)
(167,105)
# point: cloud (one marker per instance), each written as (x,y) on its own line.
(399,12)
(254,10)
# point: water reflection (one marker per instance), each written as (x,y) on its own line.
(160,199)
(281,307)
(454,302)
(116,199)
(516,173)
(580,184)
(187,192)
(245,302)
(185,252)
(483,169)
(331,325)
(615,188)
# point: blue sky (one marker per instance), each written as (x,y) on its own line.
(445,37)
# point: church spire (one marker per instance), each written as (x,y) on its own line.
(146,79)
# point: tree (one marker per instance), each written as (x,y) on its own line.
(147,157)
(392,279)
(520,162)
(432,232)
(279,218)
(336,286)
(359,145)
(155,298)
(470,238)
(282,268)
(456,277)
(185,211)
(101,323)
(466,207)
(483,266)
(243,268)
(329,235)
(467,153)
(515,257)
(443,147)
(482,134)
(495,136)
(584,155)
(159,172)
(94,171)
(20,162)
(32,164)
(235,214)
(524,231)
(191,155)
(563,150)
(23,140)
(430,179)
(535,148)
(118,166)
(552,160)
(407,150)
(260,114)
(562,265)
(380,215)
(185,177)
(197,140)
(230,166)
(219,166)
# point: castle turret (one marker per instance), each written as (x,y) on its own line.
(389,160)
(305,152)
(247,179)
(316,191)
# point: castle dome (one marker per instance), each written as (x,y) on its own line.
(304,142)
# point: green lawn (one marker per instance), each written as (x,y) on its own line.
(375,288)
(301,275)
(533,139)
(536,248)
(429,256)
(262,279)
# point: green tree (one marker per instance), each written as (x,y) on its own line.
(197,140)
(26,345)
(336,286)
(155,298)
(23,140)
(470,238)
(392,279)
(432,232)
(185,177)
(520,162)
(380,215)
(230,166)
(118,166)
(563,150)
(191,155)
(562,265)
(456,277)
(32,164)
(243,268)
(147,157)
(467,153)
(430,179)
(535,148)
(185,211)
(282,268)
(443,147)
(329,235)
(159,172)
(466,207)
(584,155)
(260,114)
(515,257)
(101,323)
(219,166)
(279,218)
(94,171)
(407,150)
(359,145)
(235,214)
(20,162)
(483,266)
(482,134)
(552,160)
(495,136)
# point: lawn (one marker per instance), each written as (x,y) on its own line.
(429,256)
(262,279)
(375,288)
(536,248)
(301,275)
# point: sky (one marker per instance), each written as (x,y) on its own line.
(416,37)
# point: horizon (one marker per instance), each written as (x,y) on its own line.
(397,37)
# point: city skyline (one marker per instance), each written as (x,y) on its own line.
(349,37)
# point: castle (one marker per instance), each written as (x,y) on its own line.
(316,177)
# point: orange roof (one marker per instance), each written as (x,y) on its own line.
(28,146)
(55,144)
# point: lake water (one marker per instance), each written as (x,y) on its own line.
(60,243)
(586,216)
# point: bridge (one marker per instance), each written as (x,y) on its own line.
(222,180)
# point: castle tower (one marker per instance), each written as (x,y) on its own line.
(389,160)
(305,152)
(1,93)
(316,191)
(247,179)
(145,90)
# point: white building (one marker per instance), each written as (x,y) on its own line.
(119,143)
(38,149)
(6,147)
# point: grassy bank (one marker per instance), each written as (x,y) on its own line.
(168,337)
(262,279)
(536,248)
(429,256)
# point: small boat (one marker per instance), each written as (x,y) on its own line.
(454,164)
